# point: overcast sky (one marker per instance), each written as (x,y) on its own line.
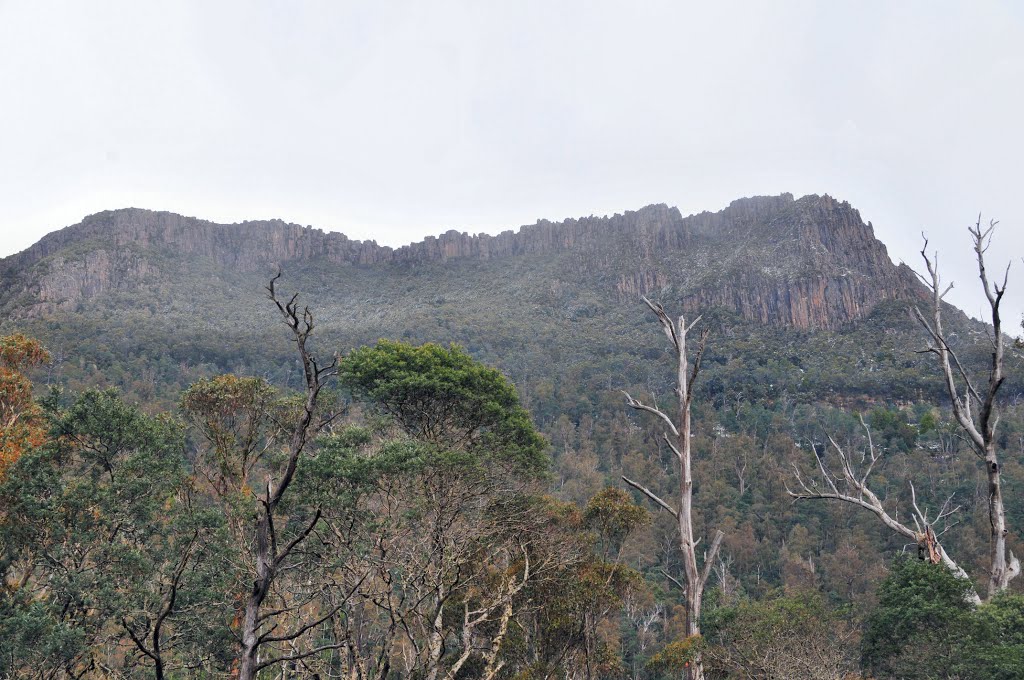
(391,121)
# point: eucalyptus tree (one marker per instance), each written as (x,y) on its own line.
(452,532)
(974,401)
(677,436)
(108,559)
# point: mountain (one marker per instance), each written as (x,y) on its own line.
(806,263)
(803,300)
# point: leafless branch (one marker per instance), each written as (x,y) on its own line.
(850,487)
(650,494)
(640,406)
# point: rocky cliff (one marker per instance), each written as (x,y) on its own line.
(809,262)
(253,245)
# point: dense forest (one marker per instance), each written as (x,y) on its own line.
(476,497)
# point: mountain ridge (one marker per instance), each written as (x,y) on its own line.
(810,262)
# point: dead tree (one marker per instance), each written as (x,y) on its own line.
(850,485)
(974,406)
(975,414)
(259,626)
(696,576)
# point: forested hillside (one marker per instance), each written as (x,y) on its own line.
(443,519)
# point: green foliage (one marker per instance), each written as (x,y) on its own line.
(239,418)
(780,636)
(444,396)
(890,427)
(676,657)
(613,515)
(997,644)
(91,526)
(344,466)
(32,637)
(920,625)
(928,423)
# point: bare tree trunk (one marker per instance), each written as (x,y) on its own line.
(696,577)
(435,645)
(973,409)
(260,588)
(493,665)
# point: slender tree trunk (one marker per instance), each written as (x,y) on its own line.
(695,580)
(268,554)
(696,577)
(260,588)
(493,665)
(436,643)
(1001,571)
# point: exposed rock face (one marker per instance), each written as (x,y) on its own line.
(94,273)
(253,245)
(810,263)
(246,246)
(819,302)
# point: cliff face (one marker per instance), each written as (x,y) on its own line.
(246,246)
(251,246)
(810,263)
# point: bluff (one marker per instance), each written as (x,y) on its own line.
(805,263)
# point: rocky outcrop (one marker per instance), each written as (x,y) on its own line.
(809,262)
(642,282)
(250,246)
(804,303)
(246,246)
(68,280)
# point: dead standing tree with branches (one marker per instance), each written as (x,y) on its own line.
(851,485)
(975,414)
(974,410)
(259,627)
(677,437)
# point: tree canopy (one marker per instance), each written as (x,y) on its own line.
(442,395)
(21,422)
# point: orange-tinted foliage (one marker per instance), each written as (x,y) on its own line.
(21,420)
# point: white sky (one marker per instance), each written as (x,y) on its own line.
(391,121)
